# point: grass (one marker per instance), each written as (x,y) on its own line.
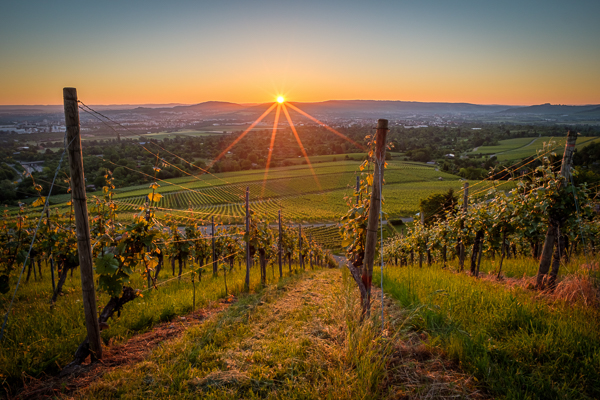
(519,148)
(504,145)
(518,345)
(40,338)
(296,339)
(293,189)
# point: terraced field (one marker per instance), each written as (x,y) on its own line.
(505,145)
(517,149)
(293,189)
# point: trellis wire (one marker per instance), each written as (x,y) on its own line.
(46,203)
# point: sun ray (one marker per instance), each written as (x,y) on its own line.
(273,134)
(287,116)
(326,126)
(243,134)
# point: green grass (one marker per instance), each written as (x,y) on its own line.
(40,338)
(299,339)
(518,346)
(519,148)
(293,189)
(505,145)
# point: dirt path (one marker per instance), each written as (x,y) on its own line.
(134,350)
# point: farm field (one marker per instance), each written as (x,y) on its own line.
(293,189)
(505,145)
(519,148)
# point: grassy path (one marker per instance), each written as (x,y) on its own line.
(296,339)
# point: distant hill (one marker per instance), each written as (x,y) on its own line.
(595,111)
(211,107)
(548,109)
(393,108)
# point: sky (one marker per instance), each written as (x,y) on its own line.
(137,52)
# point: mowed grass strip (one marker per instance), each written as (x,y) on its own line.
(517,345)
(40,338)
(289,341)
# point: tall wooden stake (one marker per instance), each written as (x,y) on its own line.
(247,281)
(461,258)
(50,254)
(420,252)
(82,225)
(357,188)
(300,257)
(551,234)
(371,241)
(280,249)
(214,254)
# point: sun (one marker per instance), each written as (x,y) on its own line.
(280,99)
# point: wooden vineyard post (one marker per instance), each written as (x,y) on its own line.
(279,248)
(421,252)
(247,281)
(374,209)
(461,258)
(212,234)
(357,188)
(553,225)
(50,254)
(310,260)
(82,225)
(300,257)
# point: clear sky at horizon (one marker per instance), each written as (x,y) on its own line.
(135,52)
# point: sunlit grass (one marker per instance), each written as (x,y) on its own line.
(295,340)
(40,338)
(517,345)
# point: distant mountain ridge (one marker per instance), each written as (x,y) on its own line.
(346,109)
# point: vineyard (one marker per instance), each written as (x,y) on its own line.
(530,318)
(167,253)
(517,149)
(149,268)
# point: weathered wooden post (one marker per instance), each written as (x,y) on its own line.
(50,254)
(357,188)
(280,249)
(420,252)
(247,281)
(214,253)
(300,257)
(374,209)
(310,260)
(82,225)
(461,258)
(554,225)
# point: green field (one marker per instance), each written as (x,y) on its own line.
(519,148)
(300,195)
(505,145)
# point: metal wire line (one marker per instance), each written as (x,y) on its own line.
(93,112)
(161,180)
(33,239)
(193,176)
(189,272)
